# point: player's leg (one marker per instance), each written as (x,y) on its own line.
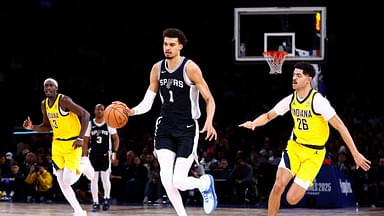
(66,162)
(288,166)
(187,140)
(166,160)
(313,160)
(283,176)
(95,192)
(105,178)
(65,178)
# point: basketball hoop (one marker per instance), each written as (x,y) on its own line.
(275,60)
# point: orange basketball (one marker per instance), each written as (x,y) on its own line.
(116,115)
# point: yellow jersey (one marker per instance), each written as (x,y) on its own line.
(65,125)
(310,128)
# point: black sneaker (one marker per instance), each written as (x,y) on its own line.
(95,207)
(106,204)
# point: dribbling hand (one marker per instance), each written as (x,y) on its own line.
(130,111)
(27,124)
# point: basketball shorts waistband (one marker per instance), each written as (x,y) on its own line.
(67,139)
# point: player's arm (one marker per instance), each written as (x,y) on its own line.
(261,120)
(86,138)
(280,109)
(115,144)
(321,105)
(146,104)
(45,126)
(68,105)
(360,160)
(196,76)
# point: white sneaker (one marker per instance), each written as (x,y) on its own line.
(86,168)
(209,195)
(80,213)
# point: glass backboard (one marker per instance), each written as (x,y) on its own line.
(301,31)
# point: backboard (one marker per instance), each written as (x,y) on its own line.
(301,31)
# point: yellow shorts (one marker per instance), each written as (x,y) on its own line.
(63,155)
(303,162)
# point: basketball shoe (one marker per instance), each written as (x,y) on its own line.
(209,194)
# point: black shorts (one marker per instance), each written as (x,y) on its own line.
(100,162)
(179,137)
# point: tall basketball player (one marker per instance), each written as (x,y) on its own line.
(68,122)
(103,142)
(180,81)
(305,151)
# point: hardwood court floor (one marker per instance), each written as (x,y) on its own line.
(24,209)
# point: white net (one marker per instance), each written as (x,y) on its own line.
(275,60)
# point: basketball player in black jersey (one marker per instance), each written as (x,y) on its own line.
(103,142)
(179,81)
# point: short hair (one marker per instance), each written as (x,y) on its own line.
(176,33)
(306,67)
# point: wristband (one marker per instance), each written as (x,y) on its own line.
(80,139)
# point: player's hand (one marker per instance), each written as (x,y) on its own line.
(211,132)
(78,143)
(248,124)
(130,111)
(84,160)
(27,124)
(362,162)
(113,156)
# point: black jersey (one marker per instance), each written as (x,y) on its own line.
(100,139)
(179,95)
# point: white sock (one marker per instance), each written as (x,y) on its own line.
(67,190)
(95,187)
(105,178)
(166,160)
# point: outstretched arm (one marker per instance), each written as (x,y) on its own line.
(196,76)
(260,120)
(45,126)
(146,104)
(360,160)
(280,109)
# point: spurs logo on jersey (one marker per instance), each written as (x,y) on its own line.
(179,96)
(171,82)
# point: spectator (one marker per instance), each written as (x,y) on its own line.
(40,183)
(12,184)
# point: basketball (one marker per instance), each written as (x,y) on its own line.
(116,115)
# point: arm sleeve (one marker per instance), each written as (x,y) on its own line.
(283,106)
(88,131)
(146,104)
(322,106)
